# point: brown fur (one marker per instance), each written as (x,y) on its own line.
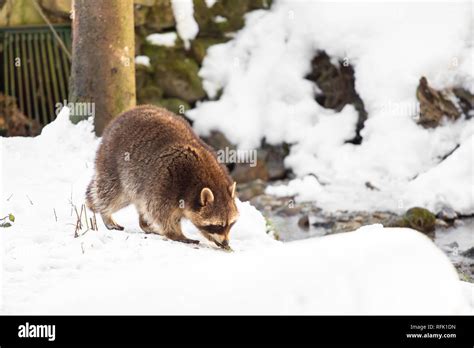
(151,158)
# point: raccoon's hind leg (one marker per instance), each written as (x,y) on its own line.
(144,218)
(105,196)
(90,194)
(145,226)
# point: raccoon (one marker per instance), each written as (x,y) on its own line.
(151,158)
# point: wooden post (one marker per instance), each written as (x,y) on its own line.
(103,66)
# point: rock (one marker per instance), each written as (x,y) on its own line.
(199,47)
(259,4)
(143,77)
(205,19)
(336,85)
(345,226)
(270,203)
(303,222)
(139,41)
(274,159)
(160,16)
(140,14)
(420,219)
(233,11)
(447,214)
(441,223)
(175,105)
(434,105)
(179,79)
(218,141)
(320,222)
(288,210)
(466,101)
(382,217)
(243,172)
(149,95)
(148,3)
(468,253)
(269,165)
(160,53)
(249,190)
(453,245)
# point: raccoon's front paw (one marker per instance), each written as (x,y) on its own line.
(190,241)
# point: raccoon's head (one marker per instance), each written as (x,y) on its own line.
(216,214)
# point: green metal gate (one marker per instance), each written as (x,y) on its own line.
(35,69)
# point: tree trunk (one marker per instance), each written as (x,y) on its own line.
(103,67)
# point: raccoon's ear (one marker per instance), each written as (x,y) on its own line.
(206,196)
(232,189)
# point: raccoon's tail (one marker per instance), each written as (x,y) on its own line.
(91,195)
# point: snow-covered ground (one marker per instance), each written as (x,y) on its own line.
(261,73)
(46,270)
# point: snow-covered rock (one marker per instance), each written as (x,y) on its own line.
(162,39)
(265,94)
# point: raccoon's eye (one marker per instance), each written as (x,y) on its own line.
(213,228)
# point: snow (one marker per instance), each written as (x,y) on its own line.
(220,19)
(142,60)
(450,181)
(46,270)
(210,3)
(186,25)
(163,39)
(261,73)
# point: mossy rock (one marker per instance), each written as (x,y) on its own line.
(420,219)
(259,4)
(160,16)
(143,76)
(140,14)
(200,45)
(149,94)
(205,19)
(178,106)
(145,2)
(158,54)
(175,73)
(179,79)
(234,12)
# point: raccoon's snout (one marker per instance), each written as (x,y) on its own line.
(220,240)
(224,244)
